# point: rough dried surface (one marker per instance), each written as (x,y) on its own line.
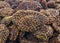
(13,32)
(27,24)
(32,21)
(28,20)
(56,24)
(51,14)
(44,32)
(51,4)
(13,3)
(24,40)
(6,11)
(6,20)
(28,38)
(21,34)
(4,4)
(4,32)
(28,5)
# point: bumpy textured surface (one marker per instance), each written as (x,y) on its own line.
(21,34)
(13,32)
(28,20)
(28,23)
(44,32)
(28,5)
(56,24)
(4,4)
(51,4)
(51,14)
(6,11)
(4,32)
(6,20)
(13,3)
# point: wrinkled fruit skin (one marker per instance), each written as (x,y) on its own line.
(56,24)
(13,3)
(4,4)
(29,21)
(44,33)
(6,12)
(13,32)
(4,33)
(29,5)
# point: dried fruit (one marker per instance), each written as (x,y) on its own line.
(51,4)
(6,12)
(13,3)
(6,20)
(44,32)
(28,20)
(4,4)
(13,32)
(28,5)
(56,24)
(51,14)
(4,33)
